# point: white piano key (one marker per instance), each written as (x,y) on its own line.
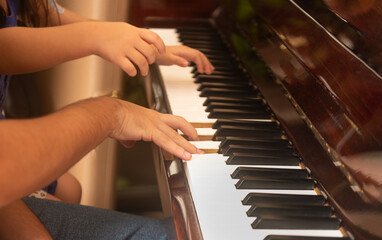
(168,35)
(218,203)
(206,144)
(206,131)
(183,95)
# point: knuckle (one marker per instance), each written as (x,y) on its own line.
(141,62)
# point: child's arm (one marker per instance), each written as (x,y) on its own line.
(25,50)
(178,55)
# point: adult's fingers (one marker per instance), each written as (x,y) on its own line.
(182,124)
(178,139)
(128,143)
(153,38)
(163,141)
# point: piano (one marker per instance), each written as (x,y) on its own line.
(290,121)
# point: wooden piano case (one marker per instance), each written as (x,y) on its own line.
(324,87)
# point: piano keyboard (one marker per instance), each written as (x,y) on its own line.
(250,183)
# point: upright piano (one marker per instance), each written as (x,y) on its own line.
(290,120)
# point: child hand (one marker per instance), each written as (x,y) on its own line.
(124,44)
(181,55)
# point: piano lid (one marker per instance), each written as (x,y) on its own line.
(331,72)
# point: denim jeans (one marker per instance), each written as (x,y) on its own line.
(72,221)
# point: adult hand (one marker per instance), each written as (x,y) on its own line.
(126,45)
(181,55)
(138,123)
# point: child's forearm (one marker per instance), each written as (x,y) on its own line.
(25,50)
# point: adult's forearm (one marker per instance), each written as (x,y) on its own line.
(19,222)
(35,152)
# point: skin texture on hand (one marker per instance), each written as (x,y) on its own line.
(125,45)
(149,125)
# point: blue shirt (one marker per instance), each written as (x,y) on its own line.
(10,21)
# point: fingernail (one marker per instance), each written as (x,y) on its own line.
(187,155)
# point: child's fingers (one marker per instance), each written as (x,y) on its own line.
(147,50)
(127,66)
(153,38)
(208,68)
(139,60)
(179,61)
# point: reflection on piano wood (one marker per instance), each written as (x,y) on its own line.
(286,122)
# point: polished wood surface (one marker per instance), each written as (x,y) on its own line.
(180,200)
(334,90)
(141,9)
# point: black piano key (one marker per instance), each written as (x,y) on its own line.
(231,149)
(244,123)
(246,131)
(221,69)
(226,61)
(203,42)
(236,72)
(259,159)
(251,182)
(284,199)
(271,173)
(221,57)
(196,30)
(207,47)
(296,223)
(228,149)
(216,64)
(221,79)
(204,37)
(284,237)
(239,114)
(253,141)
(234,85)
(249,100)
(220,92)
(214,105)
(223,61)
(289,211)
